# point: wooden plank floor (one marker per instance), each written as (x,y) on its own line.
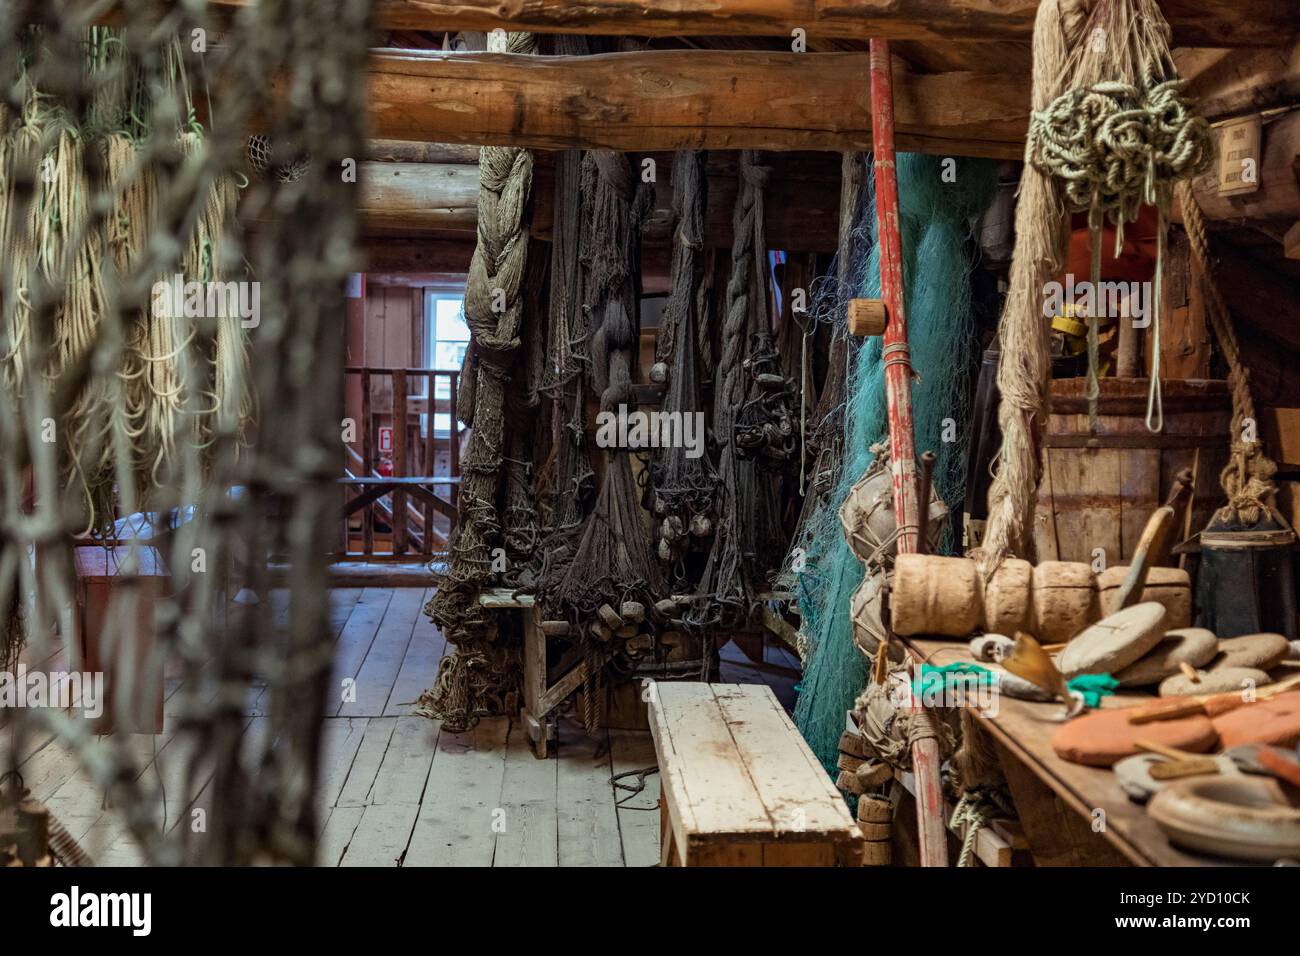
(398,790)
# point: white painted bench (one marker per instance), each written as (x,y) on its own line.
(738,784)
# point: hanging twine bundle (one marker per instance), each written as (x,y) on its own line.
(685,488)
(106,436)
(725,590)
(476,679)
(1041,238)
(567,476)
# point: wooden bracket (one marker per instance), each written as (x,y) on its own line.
(867,317)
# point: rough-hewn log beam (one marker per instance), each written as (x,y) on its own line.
(1214,23)
(419,196)
(422,199)
(663,100)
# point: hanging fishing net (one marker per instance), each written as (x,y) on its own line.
(121,155)
(936,211)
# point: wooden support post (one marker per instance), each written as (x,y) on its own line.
(453,381)
(367,463)
(538,728)
(355,354)
(399,460)
(931,825)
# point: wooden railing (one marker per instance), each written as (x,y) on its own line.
(407,500)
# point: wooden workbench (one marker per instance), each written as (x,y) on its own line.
(1072,815)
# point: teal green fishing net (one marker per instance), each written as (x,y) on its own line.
(936,224)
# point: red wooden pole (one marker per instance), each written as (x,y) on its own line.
(931,826)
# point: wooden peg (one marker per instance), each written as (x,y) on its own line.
(867,317)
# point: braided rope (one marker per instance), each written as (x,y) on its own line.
(495,279)
(1247,479)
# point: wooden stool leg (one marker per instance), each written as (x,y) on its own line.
(665,832)
(535,685)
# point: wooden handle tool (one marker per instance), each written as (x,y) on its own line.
(1153,546)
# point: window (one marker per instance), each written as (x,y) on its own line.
(447,338)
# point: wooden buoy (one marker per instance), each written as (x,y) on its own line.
(936,595)
(609,617)
(875,810)
(555,628)
(1168,586)
(1009,597)
(877,853)
(633,612)
(930,594)
(867,317)
(1065,600)
(640,644)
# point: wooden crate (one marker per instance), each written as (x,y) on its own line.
(1097,491)
(739,786)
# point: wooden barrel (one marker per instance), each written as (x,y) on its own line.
(1098,490)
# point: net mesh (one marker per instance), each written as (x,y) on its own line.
(937,205)
(121,152)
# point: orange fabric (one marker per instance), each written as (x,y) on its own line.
(1137,258)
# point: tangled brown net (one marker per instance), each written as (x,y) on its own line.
(685,486)
(606,560)
(747,513)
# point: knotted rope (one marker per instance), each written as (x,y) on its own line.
(891,727)
(1247,479)
(974,811)
(1116,146)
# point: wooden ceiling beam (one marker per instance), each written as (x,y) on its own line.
(1210,23)
(696,99)
(441,201)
